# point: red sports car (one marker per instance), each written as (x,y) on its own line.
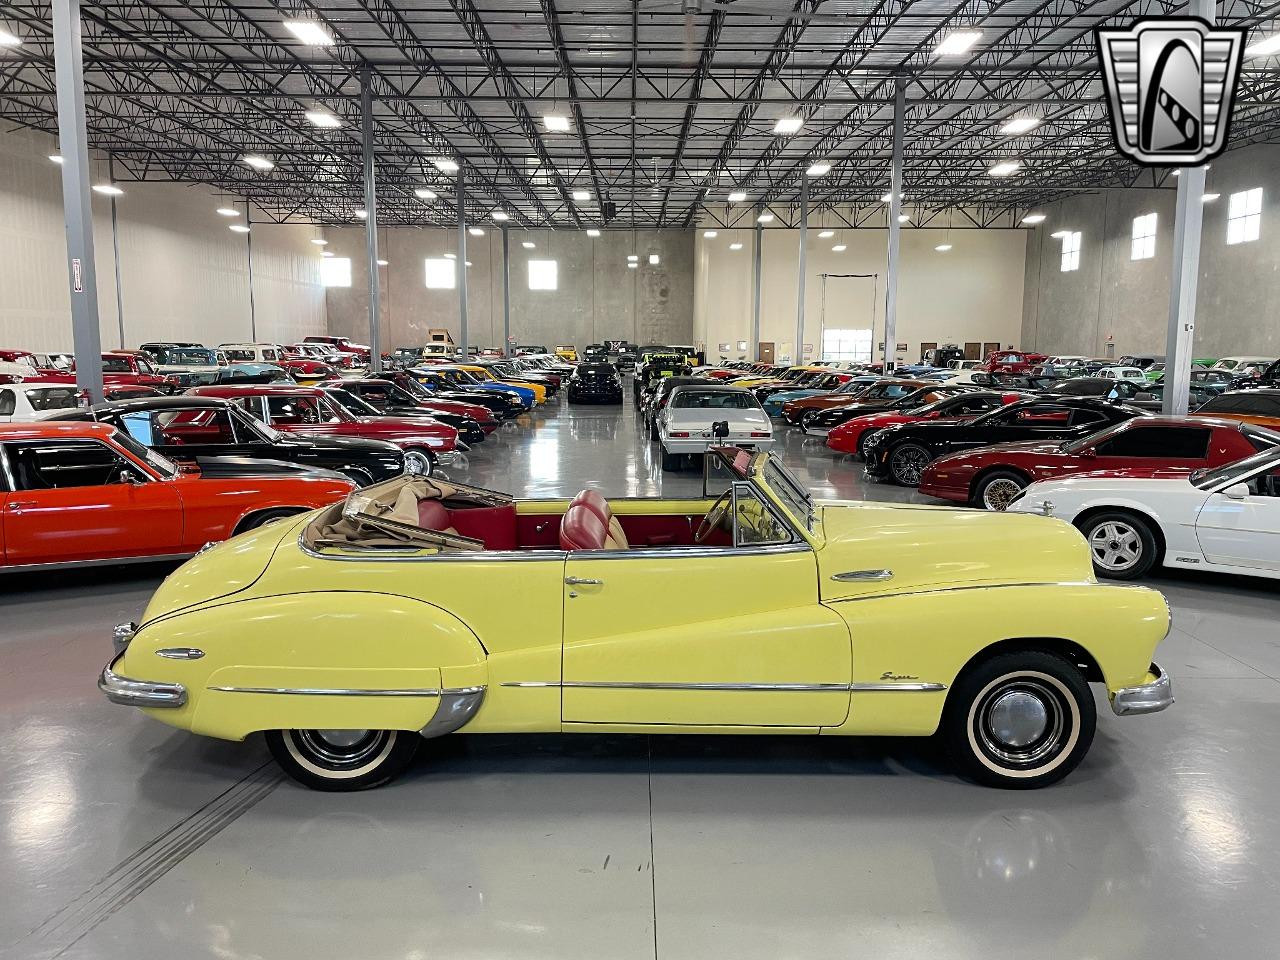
(1012,361)
(88,493)
(309,410)
(992,477)
(849,436)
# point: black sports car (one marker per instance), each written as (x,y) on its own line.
(434,383)
(595,383)
(823,421)
(655,366)
(363,403)
(901,453)
(205,429)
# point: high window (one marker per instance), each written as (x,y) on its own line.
(852,345)
(543,275)
(440,273)
(335,272)
(1244,216)
(1144,237)
(1070,251)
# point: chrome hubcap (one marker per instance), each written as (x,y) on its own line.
(909,464)
(1022,723)
(340,749)
(1018,718)
(1115,545)
(1000,493)
(416,462)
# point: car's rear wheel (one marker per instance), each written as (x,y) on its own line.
(1019,720)
(907,462)
(358,476)
(996,490)
(863,441)
(671,461)
(256,520)
(1122,544)
(343,759)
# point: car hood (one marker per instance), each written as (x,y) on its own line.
(223,569)
(941,548)
(332,443)
(230,466)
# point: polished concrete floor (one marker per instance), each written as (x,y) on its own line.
(120,837)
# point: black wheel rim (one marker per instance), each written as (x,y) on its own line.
(909,464)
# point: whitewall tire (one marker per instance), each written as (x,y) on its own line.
(343,759)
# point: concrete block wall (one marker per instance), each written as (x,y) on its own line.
(597,298)
(1115,299)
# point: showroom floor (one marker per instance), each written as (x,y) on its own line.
(120,837)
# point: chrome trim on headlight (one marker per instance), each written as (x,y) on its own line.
(121,635)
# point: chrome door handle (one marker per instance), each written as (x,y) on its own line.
(19,507)
(862,576)
(582,582)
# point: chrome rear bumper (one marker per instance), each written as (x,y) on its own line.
(139,693)
(1145,698)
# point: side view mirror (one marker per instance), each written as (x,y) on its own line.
(1237,491)
(720,429)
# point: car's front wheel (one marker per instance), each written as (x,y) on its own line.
(420,462)
(1122,544)
(1019,720)
(997,489)
(343,759)
(907,462)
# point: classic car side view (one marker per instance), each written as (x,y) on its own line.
(33,400)
(243,638)
(991,476)
(1226,520)
(850,436)
(76,493)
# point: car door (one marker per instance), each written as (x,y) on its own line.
(183,433)
(703,637)
(72,501)
(1243,531)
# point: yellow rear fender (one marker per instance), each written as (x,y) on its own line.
(324,660)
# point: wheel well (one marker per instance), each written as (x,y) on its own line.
(1064,648)
(979,477)
(1150,521)
(248,519)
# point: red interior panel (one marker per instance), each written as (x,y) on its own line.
(496,526)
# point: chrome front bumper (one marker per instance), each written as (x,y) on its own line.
(139,693)
(1145,698)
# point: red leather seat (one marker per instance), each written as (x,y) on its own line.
(582,529)
(433,516)
(616,538)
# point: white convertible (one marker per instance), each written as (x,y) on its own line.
(686,424)
(1227,519)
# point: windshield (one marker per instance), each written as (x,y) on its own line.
(790,491)
(712,399)
(116,365)
(190,355)
(158,461)
(353,403)
(53,398)
(1241,468)
(250,428)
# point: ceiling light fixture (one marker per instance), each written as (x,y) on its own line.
(56,158)
(593,232)
(238,228)
(1016,125)
(383,263)
(839,248)
(903,217)
(326,253)
(259,163)
(323,118)
(826,234)
(765,218)
(632,257)
(8,39)
(954,44)
(788,125)
(309,32)
(737,196)
(555,123)
(943,247)
(528,244)
(476,231)
(451,256)
(319,243)
(581,195)
(444,164)
(710,234)
(500,216)
(362,214)
(110,189)
(1059,234)
(633,266)
(889,196)
(1264,47)
(819,169)
(735,246)
(1209,197)
(228,212)
(422,193)
(1005,168)
(1034,218)
(653,260)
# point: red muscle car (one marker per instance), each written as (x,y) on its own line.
(309,410)
(1012,361)
(87,493)
(993,476)
(121,368)
(848,437)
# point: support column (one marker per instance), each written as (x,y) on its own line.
(371,219)
(755,294)
(895,210)
(77,207)
(462,267)
(115,253)
(506,292)
(1185,273)
(798,353)
(248,249)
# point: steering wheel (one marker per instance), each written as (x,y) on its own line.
(715,518)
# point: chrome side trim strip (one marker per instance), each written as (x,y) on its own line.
(456,709)
(339,692)
(749,687)
(861,576)
(78,564)
(976,586)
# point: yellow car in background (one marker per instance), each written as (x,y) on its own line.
(417,608)
(788,376)
(483,373)
(567,351)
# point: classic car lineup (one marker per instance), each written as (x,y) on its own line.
(331,495)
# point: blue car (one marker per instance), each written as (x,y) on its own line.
(773,405)
(526,395)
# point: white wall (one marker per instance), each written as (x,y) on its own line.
(184,274)
(971,293)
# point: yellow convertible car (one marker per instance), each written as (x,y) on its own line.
(418,607)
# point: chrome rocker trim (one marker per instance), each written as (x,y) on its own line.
(1146,697)
(139,693)
(734,687)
